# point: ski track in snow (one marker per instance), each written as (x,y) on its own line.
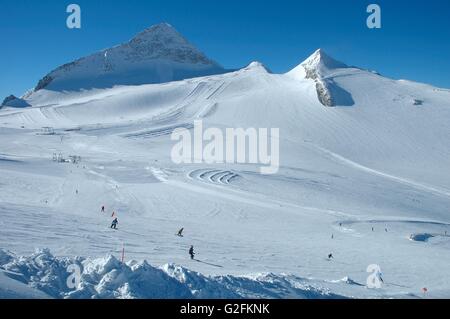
(234,195)
(401,180)
(214,176)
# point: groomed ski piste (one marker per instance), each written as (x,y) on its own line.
(366,180)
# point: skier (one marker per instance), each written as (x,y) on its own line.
(372,229)
(380,276)
(191,252)
(330,256)
(332,236)
(114,223)
(113,214)
(180,232)
(103,209)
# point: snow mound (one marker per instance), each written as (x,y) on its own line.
(269,285)
(347,280)
(201,286)
(109,278)
(14,289)
(5,257)
(421,237)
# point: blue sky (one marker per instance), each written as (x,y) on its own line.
(413,43)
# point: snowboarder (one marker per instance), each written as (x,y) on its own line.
(103,209)
(114,223)
(191,252)
(330,256)
(180,232)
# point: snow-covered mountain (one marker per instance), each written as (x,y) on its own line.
(13,101)
(320,68)
(364,174)
(158,54)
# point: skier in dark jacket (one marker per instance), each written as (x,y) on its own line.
(180,232)
(191,252)
(114,223)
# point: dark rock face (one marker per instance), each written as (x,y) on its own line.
(329,93)
(14,101)
(8,99)
(42,84)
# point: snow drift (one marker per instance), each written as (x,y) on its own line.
(109,278)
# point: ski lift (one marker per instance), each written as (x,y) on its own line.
(47,130)
(74,159)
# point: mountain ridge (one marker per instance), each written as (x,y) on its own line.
(160,54)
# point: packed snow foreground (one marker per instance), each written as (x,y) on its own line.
(110,278)
(357,204)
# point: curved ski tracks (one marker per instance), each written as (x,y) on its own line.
(213,176)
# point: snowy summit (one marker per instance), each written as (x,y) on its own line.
(157,54)
(320,68)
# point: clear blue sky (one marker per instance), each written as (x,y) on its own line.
(414,42)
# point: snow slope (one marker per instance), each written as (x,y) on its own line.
(363,178)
